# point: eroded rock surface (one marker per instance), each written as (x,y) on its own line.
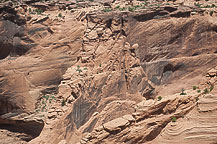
(108,71)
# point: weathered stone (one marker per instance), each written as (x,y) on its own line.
(116,124)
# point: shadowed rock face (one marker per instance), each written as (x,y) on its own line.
(86,76)
(30,130)
(32,64)
(22,78)
(12,33)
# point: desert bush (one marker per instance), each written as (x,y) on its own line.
(173,119)
(63,102)
(211,88)
(194,87)
(107,10)
(205,91)
(159,98)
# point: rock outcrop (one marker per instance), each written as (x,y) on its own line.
(108,71)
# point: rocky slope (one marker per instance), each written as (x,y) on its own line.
(108,71)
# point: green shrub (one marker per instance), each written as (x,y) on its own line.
(44,108)
(137,6)
(211,88)
(131,9)
(117,7)
(60,15)
(107,10)
(198,5)
(173,119)
(213,6)
(43,102)
(198,91)
(78,69)
(194,87)
(159,98)
(53,98)
(211,13)
(39,11)
(63,102)
(122,9)
(205,91)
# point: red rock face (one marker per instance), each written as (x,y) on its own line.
(108,72)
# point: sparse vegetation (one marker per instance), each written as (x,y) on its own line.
(198,5)
(205,91)
(41,115)
(44,106)
(206,6)
(211,13)
(60,15)
(122,9)
(39,11)
(183,92)
(211,88)
(198,91)
(44,102)
(134,8)
(173,119)
(131,9)
(195,87)
(107,10)
(63,102)
(159,98)
(209,6)
(78,69)
(117,7)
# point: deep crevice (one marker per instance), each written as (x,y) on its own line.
(31,129)
(170,9)
(195,54)
(170,67)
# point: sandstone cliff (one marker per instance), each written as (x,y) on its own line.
(139,71)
